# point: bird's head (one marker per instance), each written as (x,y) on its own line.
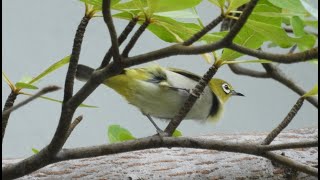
(222,89)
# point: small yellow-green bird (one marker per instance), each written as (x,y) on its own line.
(161,92)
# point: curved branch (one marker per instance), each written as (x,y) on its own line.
(237,69)
(276,74)
(280,58)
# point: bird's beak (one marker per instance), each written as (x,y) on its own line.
(235,93)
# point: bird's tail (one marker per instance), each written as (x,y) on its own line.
(83,72)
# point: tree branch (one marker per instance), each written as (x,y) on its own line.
(274,133)
(68,86)
(292,145)
(237,69)
(203,31)
(291,163)
(74,124)
(123,36)
(135,38)
(106,11)
(235,29)
(280,58)
(5,118)
(194,95)
(276,74)
(26,101)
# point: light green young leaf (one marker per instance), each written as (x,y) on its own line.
(291,5)
(186,14)
(311,23)
(297,26)
(308,7)
(312,92)
(314,61)
(158,5)
(35,151)
(118,134)
(55,100)
(22,85)
(306,42)
(234,4)
(50,69)
(219,3)
(176,133)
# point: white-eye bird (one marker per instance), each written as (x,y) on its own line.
(161,92)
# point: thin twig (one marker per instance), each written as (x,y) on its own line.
(203,31)
(106,11)
(235,29)
(280,58)
(237,69)
(194,95)
(74,123)
(74,58)
(274,133)
(123,36)
(26,101)
(135,38)
(5,118)
(276,74)
(291,145)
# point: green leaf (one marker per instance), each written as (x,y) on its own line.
(22,85)
(292,5)
(314,61)
(234,4)
(306,42)
(52,68)
(176,133)
(297,26)
(312,92)
(55,100)
(186,14)
(7,80)
(308,7)
(35,151)
(118,134)
(311,23)
(219,3)
(157,5)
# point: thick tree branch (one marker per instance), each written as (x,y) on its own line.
(5,118)
(275,132)
(106,11)
(135,38)
(68,87)
(123,36)
(26,101)
(280,58)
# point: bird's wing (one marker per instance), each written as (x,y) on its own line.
(187,74)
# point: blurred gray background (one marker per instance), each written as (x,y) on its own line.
(37,33)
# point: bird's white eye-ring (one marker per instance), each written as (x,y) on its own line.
(226,88)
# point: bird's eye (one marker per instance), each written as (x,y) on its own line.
(226,88)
